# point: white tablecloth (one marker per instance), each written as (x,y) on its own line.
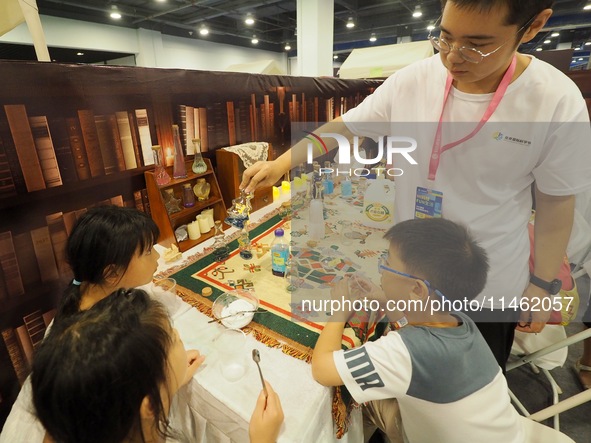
(219,411)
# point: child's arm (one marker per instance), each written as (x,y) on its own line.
(267,417)
(323,366)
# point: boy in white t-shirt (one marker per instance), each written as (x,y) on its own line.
(436,363)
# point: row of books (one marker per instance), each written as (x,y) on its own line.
(228,123)
(30,258)
(19,343)
(39,152)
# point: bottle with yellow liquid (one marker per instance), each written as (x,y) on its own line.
(378,204)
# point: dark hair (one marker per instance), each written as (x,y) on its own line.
(520,11)
(104,236)
(442,252)
(94,368)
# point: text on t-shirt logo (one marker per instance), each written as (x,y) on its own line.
(362,369)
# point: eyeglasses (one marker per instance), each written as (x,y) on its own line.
(469,54)
(383,266)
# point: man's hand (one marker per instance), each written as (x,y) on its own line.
(194,360)
(533,318)
(261,174)
(266,418)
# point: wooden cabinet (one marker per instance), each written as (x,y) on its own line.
(230,169)
(168,223)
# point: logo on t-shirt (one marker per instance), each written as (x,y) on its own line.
(499,136)
(362,369)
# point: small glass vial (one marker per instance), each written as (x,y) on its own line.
(199,165)
(239,213)
(327,181)
(188,196)
(160,174)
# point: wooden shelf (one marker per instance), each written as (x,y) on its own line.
(168,223)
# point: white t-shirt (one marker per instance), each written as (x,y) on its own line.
(448,385)
(540,131)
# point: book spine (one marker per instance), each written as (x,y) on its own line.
(35,328)
(7,186)
(63,150)
(106,144)
(25,343)
(78,148)
(59,239)
(254,121)
(144,136)
(203,129)
(231,123)
(126,139)
(117,200)
(16,354)
(115,139)
(189,130)
(135,137)
(9,264)
(45,151)
(12,157)
(91,142)
(69,221)
(146,201)
(139,203)
(27,261)
(18,121)
(44,253)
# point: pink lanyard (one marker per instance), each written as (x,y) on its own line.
(499,94)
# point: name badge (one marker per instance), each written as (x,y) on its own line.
(428,203)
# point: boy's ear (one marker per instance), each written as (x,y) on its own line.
(419,290)
(535,27)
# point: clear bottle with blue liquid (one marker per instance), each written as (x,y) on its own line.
(279,253)
(327,180)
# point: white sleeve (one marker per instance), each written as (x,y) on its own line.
(376,370)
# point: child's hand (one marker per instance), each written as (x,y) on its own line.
(266,418)
(194,360)
(340,293)
(371,291)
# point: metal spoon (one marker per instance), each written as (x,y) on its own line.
(257,358)
(237,313)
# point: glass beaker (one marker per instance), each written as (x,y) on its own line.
(160,174)
(199,165)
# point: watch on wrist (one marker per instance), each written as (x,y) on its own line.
(552,287)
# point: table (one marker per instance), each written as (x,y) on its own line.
(219,411)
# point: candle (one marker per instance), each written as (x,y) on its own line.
(169,158)
(285,187)
(194,232)
(203,223)
(276,193)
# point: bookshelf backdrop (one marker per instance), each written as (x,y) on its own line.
(75,136)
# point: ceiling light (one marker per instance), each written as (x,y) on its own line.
(373,37)
(587,43)
(578,48)
(335,57)
(80,53)
(203,30)
(546,42)
(249,20)
(587,7)
(580,59)
(161,1)
(555,34)
(430,27)
(287,47)
(115,12)
(254,40)
(350,23)
(417,13)
(538,49)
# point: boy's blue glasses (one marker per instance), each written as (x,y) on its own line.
(382,266)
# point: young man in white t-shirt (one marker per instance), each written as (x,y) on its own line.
(436,363)
(535,132)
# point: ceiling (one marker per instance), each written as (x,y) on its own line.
(275,23)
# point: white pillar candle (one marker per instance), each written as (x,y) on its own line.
(203,223)
(193,229)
